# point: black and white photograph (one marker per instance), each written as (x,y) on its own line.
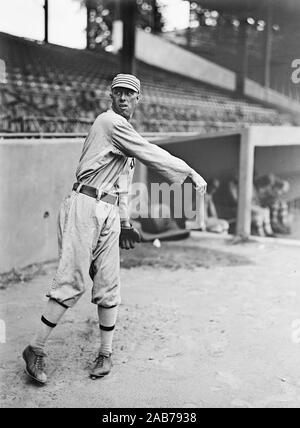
(149,206)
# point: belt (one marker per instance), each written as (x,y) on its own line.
(94,193)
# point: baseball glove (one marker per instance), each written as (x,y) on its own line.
(128,237)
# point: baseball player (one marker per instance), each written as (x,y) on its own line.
(94,222)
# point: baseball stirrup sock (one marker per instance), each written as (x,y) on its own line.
(48,323)
(102,327)
(52,315)
(107,321)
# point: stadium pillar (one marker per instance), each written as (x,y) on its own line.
(117,15)
(268,42)
(155,18)
(88,27)
(189,28)
(246,172)
(128,11)
(242,56)
(46,8)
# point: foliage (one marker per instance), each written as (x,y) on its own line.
(201,16)
(102,14)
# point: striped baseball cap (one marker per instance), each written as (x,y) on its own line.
(126,81)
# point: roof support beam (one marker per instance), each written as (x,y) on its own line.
(243,56)
(268,43)
(128,9)
(46,17)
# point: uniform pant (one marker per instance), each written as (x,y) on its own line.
(88,240)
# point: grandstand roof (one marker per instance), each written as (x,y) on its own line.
(283,10)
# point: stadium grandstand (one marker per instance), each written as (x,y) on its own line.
(221,45)
(48,88)
(259,36)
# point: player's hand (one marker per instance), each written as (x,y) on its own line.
(129,236)
(198,182)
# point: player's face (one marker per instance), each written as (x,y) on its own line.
(124,101)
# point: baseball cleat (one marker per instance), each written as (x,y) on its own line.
(102,366)
(34,359)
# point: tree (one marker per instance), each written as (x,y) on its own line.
(150,16)
(102,13)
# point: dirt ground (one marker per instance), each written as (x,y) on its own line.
(203,323)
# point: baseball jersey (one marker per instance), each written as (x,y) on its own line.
(107,159)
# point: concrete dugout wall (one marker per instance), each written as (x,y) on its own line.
(35,176)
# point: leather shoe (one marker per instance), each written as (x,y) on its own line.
(34,359)
(102,366)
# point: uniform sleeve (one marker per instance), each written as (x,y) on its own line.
(124,186)
(130,143)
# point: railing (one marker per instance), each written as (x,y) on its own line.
(61,135)
(44,125)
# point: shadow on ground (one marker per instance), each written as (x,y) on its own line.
(180,255)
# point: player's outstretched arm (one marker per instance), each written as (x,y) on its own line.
(198,182)
(175,170)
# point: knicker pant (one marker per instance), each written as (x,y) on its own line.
(88,240)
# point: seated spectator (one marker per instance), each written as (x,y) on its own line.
(212,222)
(270,191)
(280,218)
(225,199)
(260,216)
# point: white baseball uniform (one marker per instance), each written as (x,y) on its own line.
(88,229)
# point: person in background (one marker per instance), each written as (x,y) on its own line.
(270,193)
(212,221)
(260,216)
